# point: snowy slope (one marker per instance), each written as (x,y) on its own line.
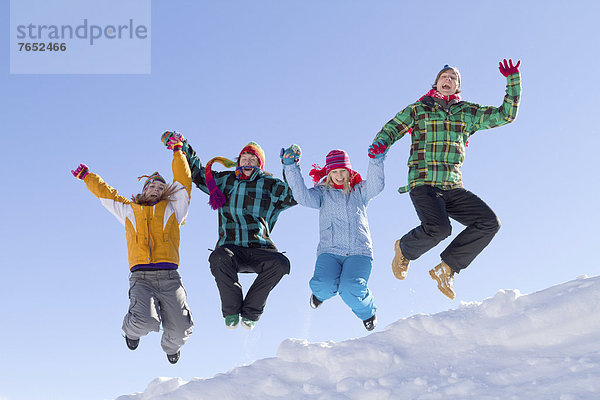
(544,345)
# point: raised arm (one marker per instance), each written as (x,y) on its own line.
(108,196)
(375,179)
(182,178)
(195,165)
(307,197)
(180,167)
(486,117)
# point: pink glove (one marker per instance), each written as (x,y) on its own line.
(175,143)
(81,172)
(508,68)
(168,135)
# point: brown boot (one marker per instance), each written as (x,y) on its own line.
(444,276)
(399,263)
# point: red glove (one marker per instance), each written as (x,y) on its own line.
(508,68)
(81,171)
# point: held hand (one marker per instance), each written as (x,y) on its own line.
(171,134)
(377,149)
(508,68)
(174,143)
(81,171)
(290,155)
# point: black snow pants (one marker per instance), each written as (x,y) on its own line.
(229,260)
(434,207)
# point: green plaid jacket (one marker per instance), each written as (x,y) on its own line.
(438,137)
(252,207)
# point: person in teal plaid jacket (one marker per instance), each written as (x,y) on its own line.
(440,124)
(249,201)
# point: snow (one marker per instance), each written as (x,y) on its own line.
(544,345)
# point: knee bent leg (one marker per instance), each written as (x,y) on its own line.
(323,289)
(281,264)
(220,258)
(491,224)
(138,325)
(439,232)
(355,288)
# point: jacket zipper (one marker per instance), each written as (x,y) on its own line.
(347,198)
(149,237)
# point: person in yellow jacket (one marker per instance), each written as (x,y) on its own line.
(152,219)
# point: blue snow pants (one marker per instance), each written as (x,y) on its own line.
(348,276)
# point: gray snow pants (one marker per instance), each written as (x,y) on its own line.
(155,297)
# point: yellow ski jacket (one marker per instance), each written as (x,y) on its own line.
(152,232)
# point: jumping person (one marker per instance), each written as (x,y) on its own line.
(441,123)
(152,219)
(249,201)
(345,250)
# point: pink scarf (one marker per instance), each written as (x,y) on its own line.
(438,95)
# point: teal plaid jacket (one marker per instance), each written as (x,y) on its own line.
(252,207)
(438,137)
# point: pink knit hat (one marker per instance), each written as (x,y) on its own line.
(335,159)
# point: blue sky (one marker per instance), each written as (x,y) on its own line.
(323,75)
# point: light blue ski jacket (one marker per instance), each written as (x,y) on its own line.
(343,224)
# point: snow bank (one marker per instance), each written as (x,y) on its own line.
(545,345)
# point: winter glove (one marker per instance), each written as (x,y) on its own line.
(81,171)
(174,143)
(290,155)
(173,140)
(377,149)
(508,68)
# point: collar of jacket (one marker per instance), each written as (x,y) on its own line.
(257,173)
(445,105)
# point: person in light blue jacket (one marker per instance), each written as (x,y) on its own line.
(345,251)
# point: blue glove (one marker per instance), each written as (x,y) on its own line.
(377,149)
(290,155)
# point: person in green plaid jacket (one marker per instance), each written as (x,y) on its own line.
(440,124)
(249,201)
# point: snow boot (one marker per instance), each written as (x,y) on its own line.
(399,263)
(173,358)
(370,323)
(444,276)
(314,302)
(132,344)
(232,321)
(248,323)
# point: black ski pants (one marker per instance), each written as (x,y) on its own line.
(229,260)
(434,207)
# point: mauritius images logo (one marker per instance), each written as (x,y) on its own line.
(86,31)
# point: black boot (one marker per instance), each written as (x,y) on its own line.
(173,358)
(314,302)
(370,323)
(132,344)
